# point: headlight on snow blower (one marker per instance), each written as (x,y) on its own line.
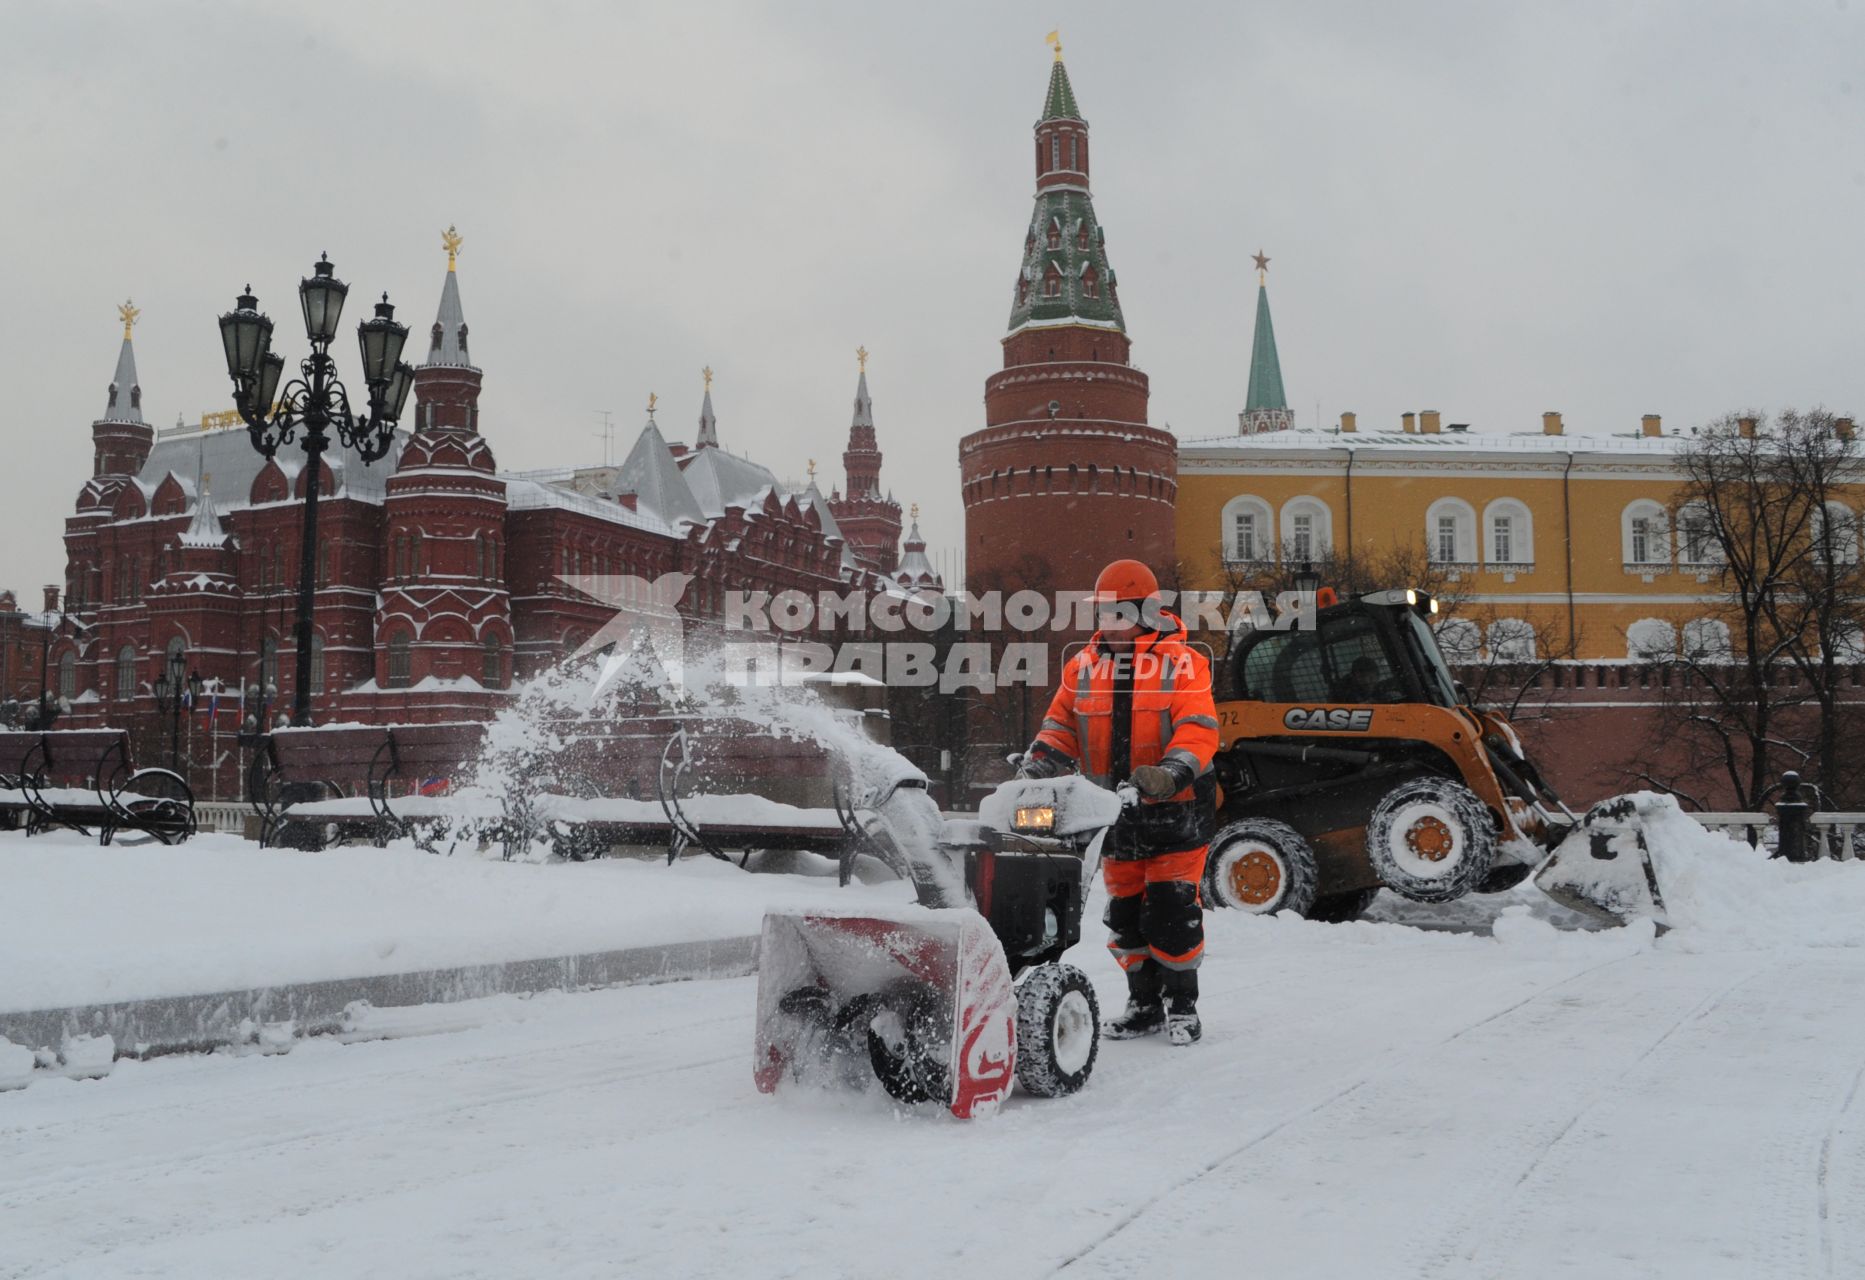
(1036,819)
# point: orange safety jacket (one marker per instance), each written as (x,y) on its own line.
(1174,717)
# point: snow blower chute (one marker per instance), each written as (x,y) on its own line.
(949,1005)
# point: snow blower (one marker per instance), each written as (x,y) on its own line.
(949,1005)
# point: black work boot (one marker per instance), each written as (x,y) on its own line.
(1180,988)
(1145,1014)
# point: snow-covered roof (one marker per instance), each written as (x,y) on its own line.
(534,495)
(228,462)
(1527,442)
(651,474)
(718,480)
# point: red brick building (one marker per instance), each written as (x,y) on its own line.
(440,577)
(1066,450)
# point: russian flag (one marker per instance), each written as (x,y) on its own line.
(436,786)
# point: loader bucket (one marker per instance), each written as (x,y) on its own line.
(921,1000)
(1603,867)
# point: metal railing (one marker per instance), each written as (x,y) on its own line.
(1794,831)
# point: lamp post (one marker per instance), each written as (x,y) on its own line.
(176,688)
(315,404)
(1307,581)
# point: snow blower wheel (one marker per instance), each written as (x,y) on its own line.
(906,1044)
(1058,1030)
(1431,840)
(1261,866)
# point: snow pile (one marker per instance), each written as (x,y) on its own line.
(1719,892)
(16,1062)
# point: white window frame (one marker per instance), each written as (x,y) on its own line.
(1711,550)
(1651,640)
(1846,534)
(1707,640)
(1521,532)
(1320,528)
(1463,518)
(1251,505)
(1506,632)
(1658,548)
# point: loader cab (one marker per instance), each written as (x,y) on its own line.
(1370,650)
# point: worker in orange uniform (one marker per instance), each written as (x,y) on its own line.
(1135,706)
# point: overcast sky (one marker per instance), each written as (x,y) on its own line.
(1606,209)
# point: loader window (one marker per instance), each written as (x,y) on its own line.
(1344,661)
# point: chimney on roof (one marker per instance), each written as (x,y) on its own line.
(1842,427)
(1409,422)
(1349,424)
(1428,422)
(51,597)
(1550,424)
(1746,426)
(629,500)
(1651,424)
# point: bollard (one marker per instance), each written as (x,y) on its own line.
(1790,815)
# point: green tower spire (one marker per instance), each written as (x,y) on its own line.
(1266,407)
(1064,277)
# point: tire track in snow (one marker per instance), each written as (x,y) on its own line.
(1146,1206)
(1717,1138)
(1459,1247)
(1827,1247)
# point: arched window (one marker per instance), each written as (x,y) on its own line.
(1696,536)
(485,564)
(1055,152)
(126,673)
(1460,640)
(268,663)
(1450,531)
(323,564)
(1074,156)
(1055,233)
(1707,640)
(1090,285)
(1651,640)
(417,565)
(1646,534)
(67,675)
(492,670)
(1246,532)
(1836,528)
(1052,283)
(401,656)
(317,662)
(1511,640)
(1508,533)
(1307,529)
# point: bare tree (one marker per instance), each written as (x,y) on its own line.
(1753,516)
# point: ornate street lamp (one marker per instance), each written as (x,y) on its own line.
(315,403)
(1307,581)
(176,688)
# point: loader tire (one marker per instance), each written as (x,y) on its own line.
(1261,866)
(1340,908)
(1431,840)
(1058,1030)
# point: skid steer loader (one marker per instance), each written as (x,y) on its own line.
(1350,760)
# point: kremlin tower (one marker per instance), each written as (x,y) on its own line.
(1066,474)
(1266,405)
(869,519)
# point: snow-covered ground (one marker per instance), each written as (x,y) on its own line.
(1370,1100)
(80,924)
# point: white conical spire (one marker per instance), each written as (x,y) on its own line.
(204,530)
(708,424)
(447,345)
(125,393)
(651,474)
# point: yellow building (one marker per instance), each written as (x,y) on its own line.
(1571,534)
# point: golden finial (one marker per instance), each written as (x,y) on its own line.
(861,358)
(706,373)
(128,311)
(913,513)
(812,471)
(452,239)
(1262,267)
(1054,40)
(652,401)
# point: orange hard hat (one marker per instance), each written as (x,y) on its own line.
(1126,580)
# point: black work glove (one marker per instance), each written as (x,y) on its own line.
(1041,761)
(1161,781)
